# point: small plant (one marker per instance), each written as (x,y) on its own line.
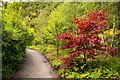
(56,63)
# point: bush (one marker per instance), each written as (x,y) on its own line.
(96,69)
(84,38)
(56,63)
(16,36)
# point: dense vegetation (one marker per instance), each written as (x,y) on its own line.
(16,36)
(78,50)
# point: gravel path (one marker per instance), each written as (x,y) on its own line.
(35,66)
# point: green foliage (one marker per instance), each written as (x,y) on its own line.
(56,63)
(15,38)
(96,69)
(52,56)
(110,39)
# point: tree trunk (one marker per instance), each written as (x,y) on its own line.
(57,48)
(114,24)
(85,59)
(57,51)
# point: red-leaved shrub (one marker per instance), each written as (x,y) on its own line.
(84,38)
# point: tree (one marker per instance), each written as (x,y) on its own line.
(84,39)
(35,15)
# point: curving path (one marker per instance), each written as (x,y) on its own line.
(35,66)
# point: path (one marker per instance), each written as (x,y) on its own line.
(35,66)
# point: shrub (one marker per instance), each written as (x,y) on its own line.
(16,36)
(56,63)
(84,39)
(96,69)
